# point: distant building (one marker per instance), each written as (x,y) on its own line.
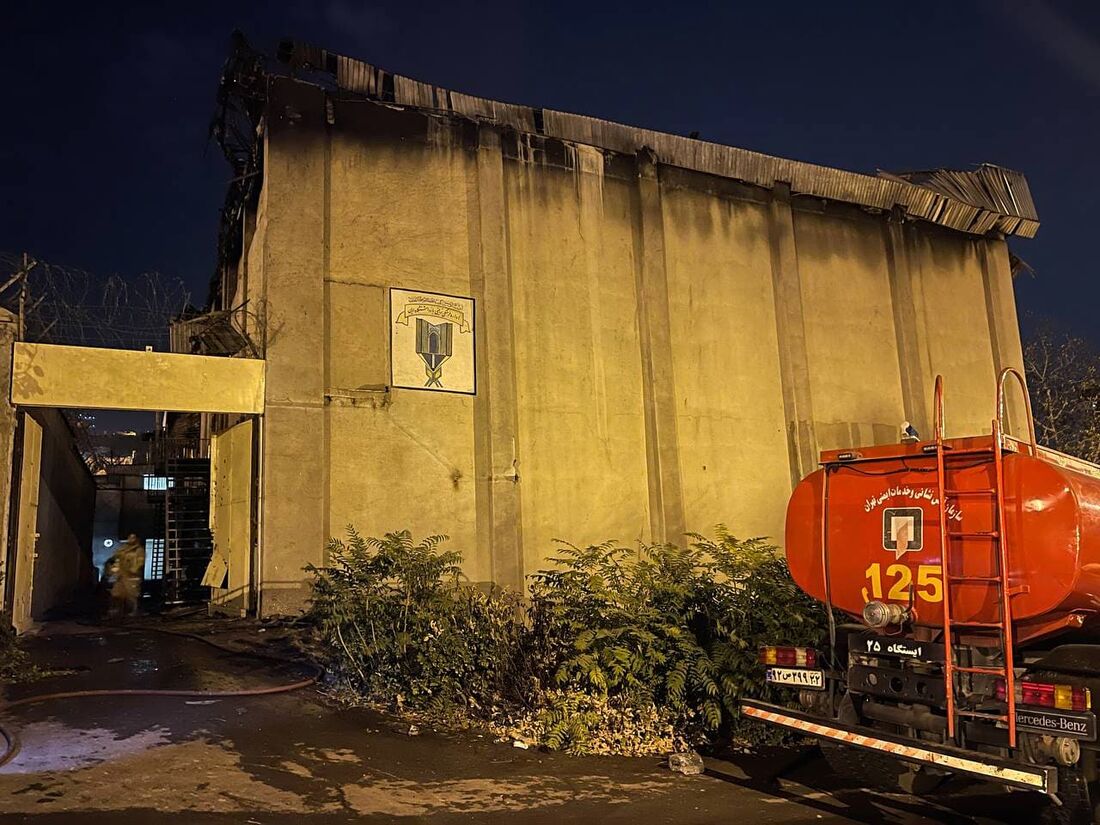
(513,325)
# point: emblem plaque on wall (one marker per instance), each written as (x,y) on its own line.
(432,341)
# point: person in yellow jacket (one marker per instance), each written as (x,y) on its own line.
(128,566)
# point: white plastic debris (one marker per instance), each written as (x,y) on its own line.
(689,763)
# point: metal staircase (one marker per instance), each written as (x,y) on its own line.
(1000,630)
(155,558)
(188,543)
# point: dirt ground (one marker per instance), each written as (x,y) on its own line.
(296,758)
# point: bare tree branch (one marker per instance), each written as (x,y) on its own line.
(1063,374)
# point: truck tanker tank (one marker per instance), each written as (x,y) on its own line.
(871,516)
(963,557)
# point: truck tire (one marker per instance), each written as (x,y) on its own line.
(1079,797)
(867,769)
(1076,807)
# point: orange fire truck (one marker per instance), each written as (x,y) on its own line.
(973,566)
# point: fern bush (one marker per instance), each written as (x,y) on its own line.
(672,628)
(616,650)
(396,621)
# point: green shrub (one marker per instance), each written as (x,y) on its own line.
(669,627)
(616,650)
(397,622)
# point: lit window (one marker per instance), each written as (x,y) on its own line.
(150,482)
(154,558)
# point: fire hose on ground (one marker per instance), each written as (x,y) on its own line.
(11,741)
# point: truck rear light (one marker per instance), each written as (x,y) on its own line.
(1045,695)
(790,656)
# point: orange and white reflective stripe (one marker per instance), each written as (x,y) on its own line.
(1033,779)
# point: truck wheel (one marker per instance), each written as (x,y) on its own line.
(1080,798)
(1076,807)
(863,767)
(880,772)
(868,769)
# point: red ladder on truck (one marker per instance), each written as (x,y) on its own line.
(998,582)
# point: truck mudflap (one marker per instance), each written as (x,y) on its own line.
(955,760)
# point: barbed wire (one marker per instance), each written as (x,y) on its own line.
(68,305)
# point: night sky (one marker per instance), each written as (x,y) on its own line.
(104,162)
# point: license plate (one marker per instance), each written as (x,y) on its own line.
(796,677)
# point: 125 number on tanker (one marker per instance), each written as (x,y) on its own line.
(897,579)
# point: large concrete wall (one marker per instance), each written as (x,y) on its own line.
(66,508)
(658,350)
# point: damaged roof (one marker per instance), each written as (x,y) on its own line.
(986,199)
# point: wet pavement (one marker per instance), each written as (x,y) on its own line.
(296,758)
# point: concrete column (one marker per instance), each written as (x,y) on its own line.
(496,457)
(1004,330)
(666,505)
(7,442)
(911,343)
(589,177)
(791,332)
(294,439)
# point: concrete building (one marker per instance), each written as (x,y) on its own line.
(664,333)
(513,325)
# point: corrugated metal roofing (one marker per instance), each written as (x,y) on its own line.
(979,201)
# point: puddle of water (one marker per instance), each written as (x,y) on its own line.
(52,746)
